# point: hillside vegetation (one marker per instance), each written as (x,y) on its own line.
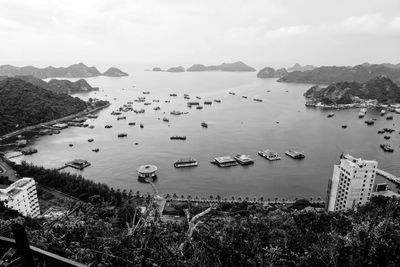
(380,88)
(23,104)
(122,233)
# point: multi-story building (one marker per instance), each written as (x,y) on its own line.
(22,196)
(351,184)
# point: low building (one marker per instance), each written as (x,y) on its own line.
(22,197)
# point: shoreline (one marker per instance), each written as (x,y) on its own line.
(34,127)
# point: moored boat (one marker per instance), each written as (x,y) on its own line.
(331,114)
(185,162)
(386,148)
(295,154)
(226,161)
(177,137)
(269,155)
(203,124)
(122,135)
(243,159)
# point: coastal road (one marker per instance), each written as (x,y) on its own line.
(34,127)
(7,171)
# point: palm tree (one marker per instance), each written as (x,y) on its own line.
(168,196)
(255,199)
(218,197)
(182,196)
(311,199)
(189,197)
(276,199)
(211,197)
(247,198)
(269,200)
(240,198)
(175,196)
(233,198)
(262,199)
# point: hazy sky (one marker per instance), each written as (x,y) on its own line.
(182,32)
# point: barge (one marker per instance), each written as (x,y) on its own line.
(79,164)
(269,155)
(295,154)
(243,159)
(185,162)
(226,161)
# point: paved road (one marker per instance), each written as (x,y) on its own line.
(33,127)
(7,171)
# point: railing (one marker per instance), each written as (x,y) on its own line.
(27,252)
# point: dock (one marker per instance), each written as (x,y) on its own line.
(394,179)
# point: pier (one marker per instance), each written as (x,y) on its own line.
(394,179)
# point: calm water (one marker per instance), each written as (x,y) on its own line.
(236,125)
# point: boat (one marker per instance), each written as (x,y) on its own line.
(243,159)
(177,137)
(199,107)
(386,148)
(185,162)
(269,155)
(243,96)
(388,130)
(146,92)
(147,173)
(132,123)
(79,164)
(147,103)
(91,127)
(198,97)
(90,140)
(71,145)
(226,161)
(207,102)
(344,126)
(331,114)
(295,154)
(108,126)
(141,126)
(156,108)
(173,94)
(217,101)
(175,112)
(192,103)
(231,93)
(369,122)
(387,137)
(121,118)
(122,135)
(167,101)
(156,100)
(29,151)
(165,119)
(383,112)
(390,117)
(203,124)
(91,116)
(381,132)
(96,150)
(362,113)
(257,99)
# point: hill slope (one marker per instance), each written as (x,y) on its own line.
(23,104)
(380,88)
(73,71)
(57,86)
(333,74)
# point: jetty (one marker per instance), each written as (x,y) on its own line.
(394,179)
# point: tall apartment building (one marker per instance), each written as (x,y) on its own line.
(351,183)
(22,196)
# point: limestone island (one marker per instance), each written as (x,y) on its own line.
(238,66)
(269,72)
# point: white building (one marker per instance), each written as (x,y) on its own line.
(351,183)
(22,196)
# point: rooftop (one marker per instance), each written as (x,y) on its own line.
(357,162)
(224,159)
(147,169)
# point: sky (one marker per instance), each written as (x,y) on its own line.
(275,33)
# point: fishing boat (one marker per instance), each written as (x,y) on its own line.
(165,119)
(232,93)
(90,140)
(386,148)
(185,162)
(269,155)
(257,100)
(173,94)
(141,126)
(217,101)
(243,96)
(177,137)
(331,114)
(207,102)
(243,159)
(108,126)
(387,137)
(295,154)
(389,117)
(199,107)
(203,124)
(362,113)
(369,122)
(175,112)
(344,126)
(122,135)
(132,123)
(96,150)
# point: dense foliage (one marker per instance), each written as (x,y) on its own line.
(23,104)
(230,234)
(380,88)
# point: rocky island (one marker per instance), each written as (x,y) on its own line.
(57,86)
(114,72)
(73,71)
(238,66)
(176,69)
(269,72)
(381,89)
(23,104)
(298,67)
(157,69)
(333,74)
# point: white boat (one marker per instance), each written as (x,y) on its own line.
(362,113)
(226,161)
(269,155)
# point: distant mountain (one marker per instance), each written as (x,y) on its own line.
(73,71)
(176,69)
(380,88)
(269,72)
(333,74)
(58,86)
(236,66)
(157,69)
(23,104)
(298,67)
(114,72)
